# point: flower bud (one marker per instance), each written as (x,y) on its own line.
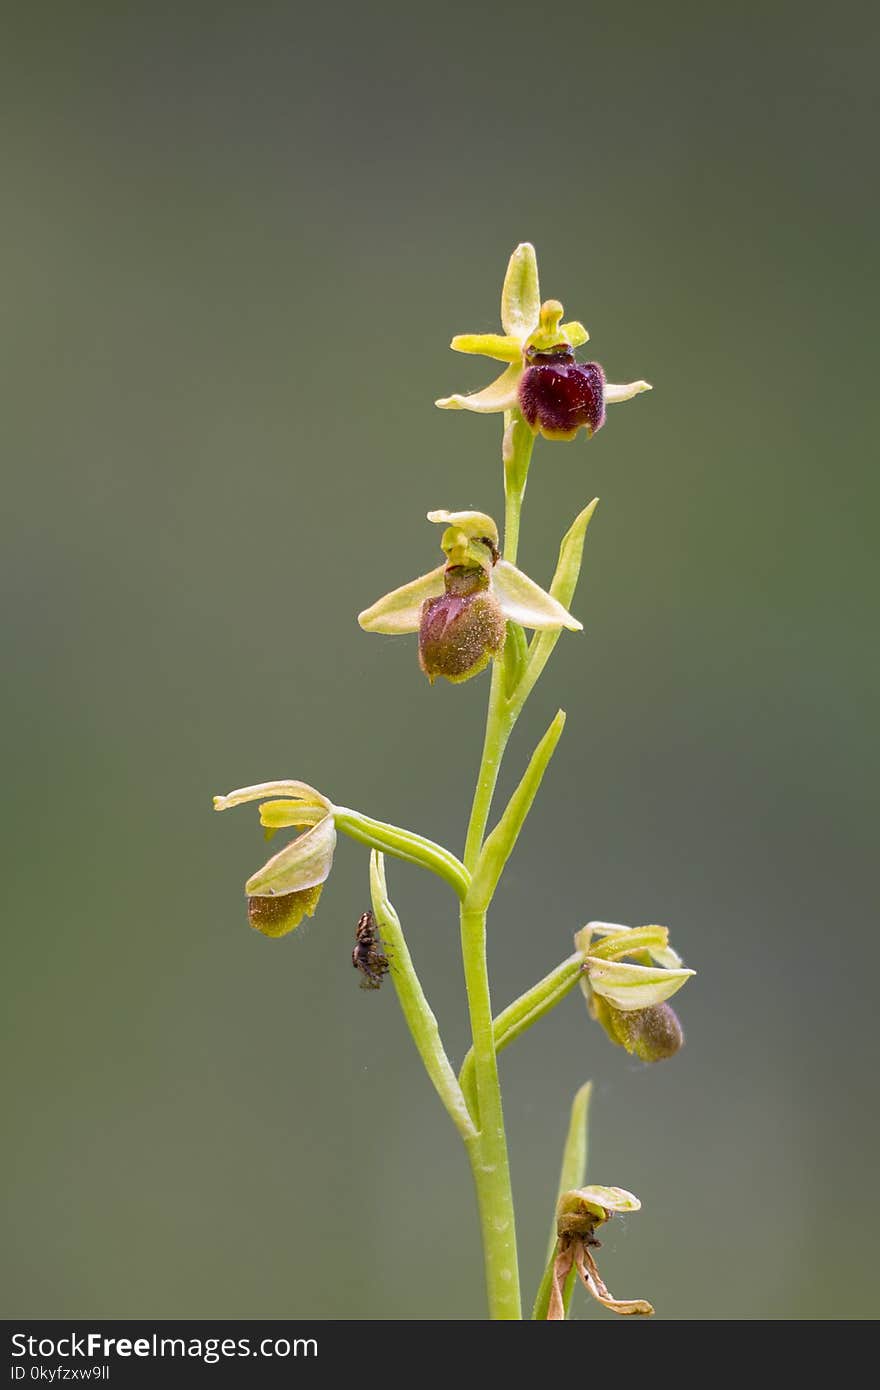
(462,630)
(652,1034)
(558,396)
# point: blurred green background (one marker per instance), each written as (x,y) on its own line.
(236,241)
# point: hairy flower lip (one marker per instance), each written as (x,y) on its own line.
(559,396)
(653,1034)
(277,914)
(462,630)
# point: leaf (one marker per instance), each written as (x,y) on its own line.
(572,1175)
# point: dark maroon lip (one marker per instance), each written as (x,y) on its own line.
(563,396)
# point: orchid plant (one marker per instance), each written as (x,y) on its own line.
(471,612)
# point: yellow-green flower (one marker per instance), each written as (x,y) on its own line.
(460,610)
(629,998)
(287,888)
(557,395)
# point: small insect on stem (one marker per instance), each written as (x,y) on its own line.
(367,955)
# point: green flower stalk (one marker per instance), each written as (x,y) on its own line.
(470,613)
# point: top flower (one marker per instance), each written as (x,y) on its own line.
(557,395)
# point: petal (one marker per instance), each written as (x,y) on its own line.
(489,345)
(598,1201)
(595,1284)
(520,294)
(281,815)
(526,603)
(400,611)
(653,939)
(666,957)
(633,986)
(575,332)
(298,791)
(562,1263)
(477,524)
(637,942)
(304,863)
(613,394)
(500,395)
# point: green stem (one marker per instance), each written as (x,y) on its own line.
(517,453)
(512,508)
(488,1152)
(517,449)
(498,727)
